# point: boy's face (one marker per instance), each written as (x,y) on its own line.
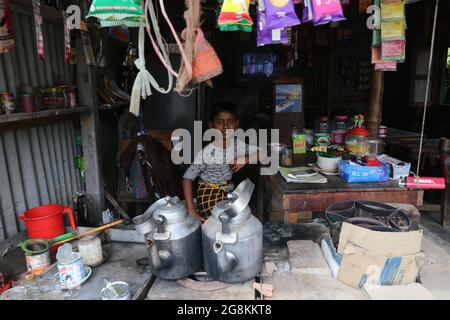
(224,121)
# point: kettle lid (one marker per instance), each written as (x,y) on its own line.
(173,209)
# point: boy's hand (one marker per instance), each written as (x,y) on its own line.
(197,216)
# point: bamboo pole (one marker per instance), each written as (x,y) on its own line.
(375,103)
(95,230)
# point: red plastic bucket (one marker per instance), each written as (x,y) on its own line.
(46,221)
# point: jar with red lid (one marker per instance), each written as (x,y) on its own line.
(356,140)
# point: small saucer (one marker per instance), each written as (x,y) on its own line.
(325,172)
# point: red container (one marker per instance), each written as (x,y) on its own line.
(46,221)
(27,103)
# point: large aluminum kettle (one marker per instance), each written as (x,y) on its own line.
(173,239)
(232,238)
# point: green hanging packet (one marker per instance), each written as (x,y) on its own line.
(116,12)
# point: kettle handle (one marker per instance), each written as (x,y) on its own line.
(160,221)
(224,218)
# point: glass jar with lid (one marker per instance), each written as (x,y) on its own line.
(356,140)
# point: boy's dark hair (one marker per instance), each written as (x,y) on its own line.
(223,107)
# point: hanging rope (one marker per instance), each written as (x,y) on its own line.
(430,64)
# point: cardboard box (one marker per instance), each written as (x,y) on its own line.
(353,172)
(397,168)
(373,257)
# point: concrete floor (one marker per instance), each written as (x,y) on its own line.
(434,276)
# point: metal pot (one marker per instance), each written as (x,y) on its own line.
(173,239)
(233,238)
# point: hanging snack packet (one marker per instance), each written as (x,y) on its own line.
(117,12)
(7,42)
(392,10)
(280,14)
(38,28)
(393,30)
(307,15)
(326,11)
(234,16)
(393,50)
(267,36)
(386,66)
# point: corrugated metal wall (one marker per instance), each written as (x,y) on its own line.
(36,165)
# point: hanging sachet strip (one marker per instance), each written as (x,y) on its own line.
(159,48)
(38,29)
(7,42)
(144,80)
(67,47)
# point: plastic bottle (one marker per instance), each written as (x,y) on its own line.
(340,127)
(323,125)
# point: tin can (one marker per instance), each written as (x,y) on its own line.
(54,98)
(71,274)
(72,91)
(322,139)
(37,263)
(7,103)
(27,103)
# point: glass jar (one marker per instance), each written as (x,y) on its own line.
(356,140)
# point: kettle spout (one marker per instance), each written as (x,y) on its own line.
(225,260)
(160,259)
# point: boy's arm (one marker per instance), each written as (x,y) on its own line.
(188,195)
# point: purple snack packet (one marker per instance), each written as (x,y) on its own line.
(280,14)
(325,11)
(266,36)
(307,11)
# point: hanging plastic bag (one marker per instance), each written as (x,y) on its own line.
(206,63)
(7,42)
(235,16)
(280,14)
(117,12)
(38,29)
(325,11)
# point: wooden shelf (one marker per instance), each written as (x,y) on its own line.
(114,106)
(26,7)
(26,120)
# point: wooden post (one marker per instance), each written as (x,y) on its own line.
(375,103)
(87,92)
